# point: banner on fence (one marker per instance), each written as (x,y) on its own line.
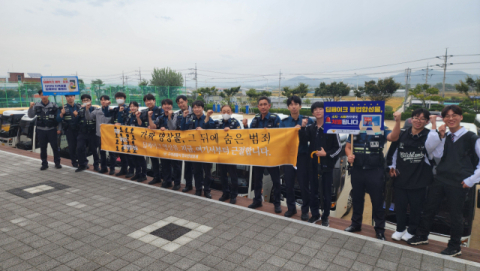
(353,117)
(258,147)
(60,85)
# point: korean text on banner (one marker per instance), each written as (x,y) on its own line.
(60,85)
(354,117)
(258,147)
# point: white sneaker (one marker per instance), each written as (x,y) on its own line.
(398,235)
(407,236)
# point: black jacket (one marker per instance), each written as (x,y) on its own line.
(329,142)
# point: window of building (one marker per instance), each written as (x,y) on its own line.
(19,78)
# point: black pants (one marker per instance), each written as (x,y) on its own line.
(456,200)
(72,136)
(200,182)
(103,154)
(45,137)
(371,181)
(123,160)
(301,175)
(258,183)
(177,172)
(155,167)
(139,164)
(167,170)
(84,139)
(326,183)
(403,198)
(232,171)
(207,168)
(131,163)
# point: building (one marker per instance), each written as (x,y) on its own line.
(15,77)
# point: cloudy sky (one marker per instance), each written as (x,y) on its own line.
(235,40)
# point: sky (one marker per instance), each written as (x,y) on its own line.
(236,41)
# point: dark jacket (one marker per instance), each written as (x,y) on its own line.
(318,140)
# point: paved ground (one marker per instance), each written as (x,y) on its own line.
(59,220)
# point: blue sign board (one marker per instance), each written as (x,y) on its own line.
(354,117)
(60,85)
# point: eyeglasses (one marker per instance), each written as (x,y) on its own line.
(418,119)
(452,116)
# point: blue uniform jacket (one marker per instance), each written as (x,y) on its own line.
(290,122)
(198,122)
(263,123)
(120,117)
(71,109)
(362,138)
(228,123)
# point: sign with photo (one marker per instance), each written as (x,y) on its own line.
(60,85)
(354,117)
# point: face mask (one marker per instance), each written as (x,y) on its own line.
(225,116)
(85,104)
(120,101)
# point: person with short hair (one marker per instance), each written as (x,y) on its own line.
(228,123)
(411,170)
(68,116)
(47,128)
(323,154)
(101,115)
(300,171)
(199,121)
(138,166)
(175,124)
(118,114)
(265,119)
(86,136)
(457,171)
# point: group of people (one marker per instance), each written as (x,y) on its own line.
(414,151)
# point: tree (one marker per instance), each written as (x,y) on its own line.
(301,91)
(307,102)
(96,87)
(334,91)
(425,93)
(206,92)
(227,94)
(143,83)
(360,93)
(166,77)
(470,84)
(381,90)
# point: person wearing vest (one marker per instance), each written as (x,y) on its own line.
(300,172)
(68,116)
(265,120)
(458,170)
(324,148)
(46,113)
(100,116)
(86,136)
(175,124)
(167,164)
(199,121)
(118,115)
(367,175)
(228,123)
(148,116)
(411,171)
(138,165)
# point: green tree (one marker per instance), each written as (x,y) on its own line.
(360,93)
(166,77)
(205,92)
(425,93)
(301,91)
(227,94)
(334,91)
(307,102)
(143,83)
(381,90)
(96,87)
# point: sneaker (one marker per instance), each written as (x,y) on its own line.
(278,209)
(407,236)
(58,166)
(112,172)
(290,213)
(166,184)
(224,197)
(207,195)
(43,167)
(452,252)
(418,240)
(103,170)
(304,216)
(121,173)
(198,193)
(176,187)
(96,168)
(325,222)
(255,205)
(233,200)
(80,169)
(136,177)
(142,179)
(129,175)
(398,235)
(187,188)
(314,219)
(155,181)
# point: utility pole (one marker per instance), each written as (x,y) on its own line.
(407,85)
(279,79)
(426,76)
(196,80)
(444,66)
(123,79)
(185,84)
(139,74)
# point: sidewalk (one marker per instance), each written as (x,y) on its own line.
(61,220)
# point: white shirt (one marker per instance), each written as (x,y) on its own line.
(435,146)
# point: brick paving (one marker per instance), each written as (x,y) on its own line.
(61,220)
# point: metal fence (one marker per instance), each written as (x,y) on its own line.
(20,95)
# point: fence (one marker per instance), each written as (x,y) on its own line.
(20,95)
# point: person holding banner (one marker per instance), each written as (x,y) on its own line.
(118,119)
(199,122)
(101,115)
(162,123)
(367,175)
(86,135)
(138,162)
(323,149)
(147,117)
(68,116)
(300,172)
(175,124)
(265,120)
(227,123)
(47,128)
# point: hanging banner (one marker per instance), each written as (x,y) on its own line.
(354,117)
(258,147)
(60,85)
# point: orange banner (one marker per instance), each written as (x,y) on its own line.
(258,147)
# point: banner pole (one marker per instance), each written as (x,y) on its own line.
(250,183)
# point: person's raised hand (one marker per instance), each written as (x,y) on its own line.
(185,113)
(150,114)
(209,113)
(442,130)
(137,114)
(63,111)
(75,113)
(121,108)
(245,122)
(304,122)
(397,116)
(32,104)
(226,129)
